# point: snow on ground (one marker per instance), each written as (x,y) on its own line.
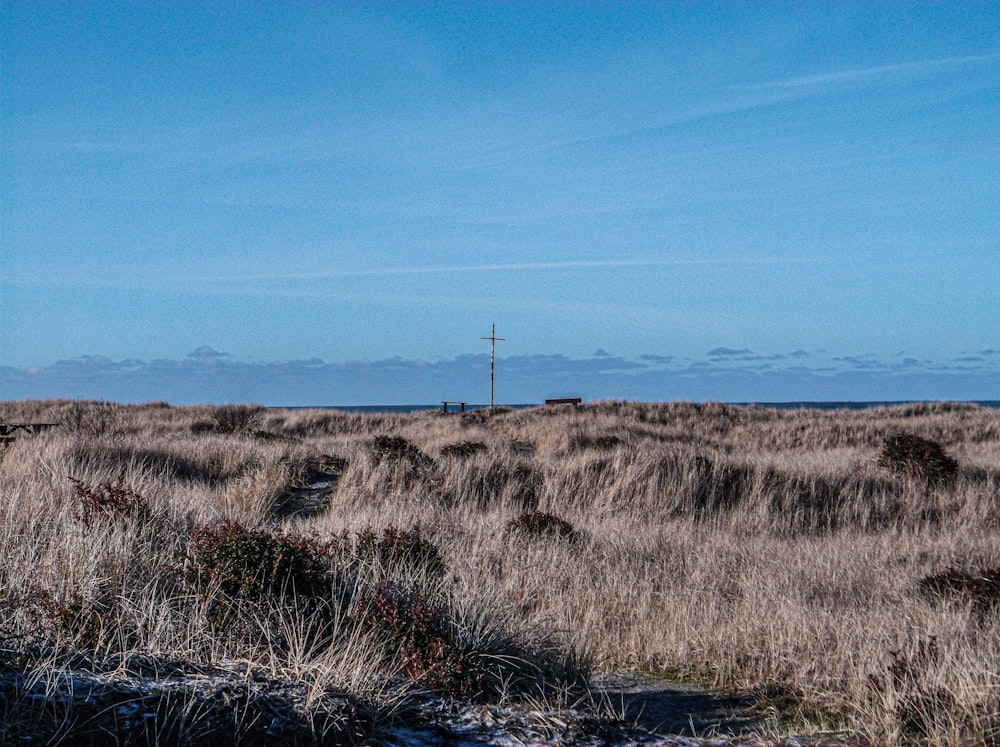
(170,700)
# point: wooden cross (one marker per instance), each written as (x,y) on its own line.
(493,355)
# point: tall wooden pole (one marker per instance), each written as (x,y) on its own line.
(493,356)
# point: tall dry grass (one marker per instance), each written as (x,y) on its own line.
(751,549)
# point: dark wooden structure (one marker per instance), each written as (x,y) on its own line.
(446,402)
(493,356)
(565,401)
(8,431)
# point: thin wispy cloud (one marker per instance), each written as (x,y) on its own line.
(385,184)
(511,267)
(845,76)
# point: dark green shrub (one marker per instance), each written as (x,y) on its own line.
(425,638)
(251,564)
(396,449)
(464,449)
(539,524)
(108,501)
(913,456)
(396,547)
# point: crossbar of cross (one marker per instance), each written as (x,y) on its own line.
(493,356)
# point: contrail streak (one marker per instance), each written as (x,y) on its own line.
(504,267)
(871,72)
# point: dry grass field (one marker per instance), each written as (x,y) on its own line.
(497,557)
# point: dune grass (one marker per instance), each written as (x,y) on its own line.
(498,556)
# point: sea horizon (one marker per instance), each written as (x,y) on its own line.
(789,405)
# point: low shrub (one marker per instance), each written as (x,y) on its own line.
(497,481)
(92,419)
(914,456)
(484,414)
(271,436)
(251,564)
(980,588)
(910,682)
(108,501)
(400,547)
(425,639)
(464,449)
(397,448)
(540,524)
(599,443)
(607,442)
(70,618)
(236,418)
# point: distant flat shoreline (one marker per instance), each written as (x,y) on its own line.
(833,405)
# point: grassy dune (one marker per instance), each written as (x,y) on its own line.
(747,549)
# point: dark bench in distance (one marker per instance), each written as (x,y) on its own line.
(8,431)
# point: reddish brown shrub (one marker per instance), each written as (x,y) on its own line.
(108,501)
(425,638)
(539,523)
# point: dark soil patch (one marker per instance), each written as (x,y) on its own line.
(667,708)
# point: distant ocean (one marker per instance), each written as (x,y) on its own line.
(773,405)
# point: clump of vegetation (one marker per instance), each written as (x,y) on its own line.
(908,682)
(263,435)
(317,468)
(498,482)
(607,442)
(522,447)
(425,638)
(400,547)
(252,564)
(763,525)
(485,414)
(71,618)
(464,449)
(108,501)
(598,443)
(93,419)
(396,449)
(913,456)
(236,418)
(202,427)
(541,524)
(980,588)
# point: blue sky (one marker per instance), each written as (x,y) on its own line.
(815,183)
